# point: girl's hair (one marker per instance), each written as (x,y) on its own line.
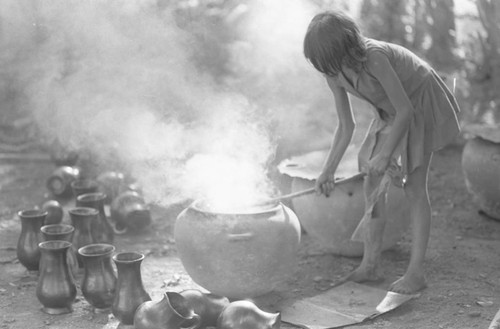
(332,40)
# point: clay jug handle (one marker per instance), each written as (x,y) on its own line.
(197,322)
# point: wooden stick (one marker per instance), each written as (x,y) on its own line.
(309,191)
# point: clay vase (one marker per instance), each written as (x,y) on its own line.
(99,280)
(481,169)
(172,312)
(207,305)
(129,211)
(56,289)
(82,218)
(62,232)
(55,212)
(245,314)
(238,255)
(130,292)
(84,185)
(332,221)
(100,227)
(111,183)
(27,250)
(59,182)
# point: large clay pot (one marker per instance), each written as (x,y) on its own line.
(244,314)
(332,220)
(237,255)
(481,168)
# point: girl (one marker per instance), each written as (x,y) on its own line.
(415,114)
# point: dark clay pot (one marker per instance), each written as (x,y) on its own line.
(111,183)
(207,305)
(59,182)
(130,292)
(55,212)
(238,255)
(172,312)
(82,218)
(245,314)
(27,250)
(99,280)
(102,232)
(56,289)
(129,211)
(481,169)
(62,232)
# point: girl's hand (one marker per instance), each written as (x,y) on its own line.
(378,164)
(325,183)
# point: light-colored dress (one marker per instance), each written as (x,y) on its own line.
(434,123)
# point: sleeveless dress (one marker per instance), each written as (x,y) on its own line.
(434,123)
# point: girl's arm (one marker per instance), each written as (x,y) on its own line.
(382,69)
(341,139)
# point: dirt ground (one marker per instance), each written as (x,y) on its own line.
(462,260)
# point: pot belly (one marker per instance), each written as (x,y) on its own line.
(238,256)
(332,220)
(481,168)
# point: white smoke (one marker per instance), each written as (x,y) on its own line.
(118,77)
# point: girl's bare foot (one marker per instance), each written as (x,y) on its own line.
(409,284)
(362,274)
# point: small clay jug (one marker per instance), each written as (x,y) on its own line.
(59,182)
(56,289)
(245,314)
(207,305)
(82,218)
(172,312)
(84,185)
(130,212)
(28,253)
(130,292)
(63,232)
(99,280)
(100,228)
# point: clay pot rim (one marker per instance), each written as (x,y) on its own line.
(83,211)
(96,249)
(65,228)
(128,257)
(197,205)
(180,305)
(93,196)
(32,213)
(54,244)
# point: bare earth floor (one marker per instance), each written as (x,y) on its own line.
(462,262)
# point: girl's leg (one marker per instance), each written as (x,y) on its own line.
(373,232)
(420,213)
